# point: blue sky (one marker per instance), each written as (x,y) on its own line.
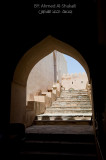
(73,66)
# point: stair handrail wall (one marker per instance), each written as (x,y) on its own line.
(88,87)
(40,102)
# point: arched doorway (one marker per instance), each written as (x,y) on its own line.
(27,62)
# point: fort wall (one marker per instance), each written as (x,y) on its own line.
(74,81)
(41,77)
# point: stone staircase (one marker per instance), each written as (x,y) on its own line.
(72,107)
(76,142)
(54,138)
(59,146)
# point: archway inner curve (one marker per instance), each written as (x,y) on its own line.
(25,65)
(39,51)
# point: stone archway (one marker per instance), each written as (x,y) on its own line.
(27,62)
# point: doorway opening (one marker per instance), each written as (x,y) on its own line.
(56,97)
(19,112)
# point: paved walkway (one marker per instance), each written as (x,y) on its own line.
(60,129)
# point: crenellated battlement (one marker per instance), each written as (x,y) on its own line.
(74,80)
(74,75)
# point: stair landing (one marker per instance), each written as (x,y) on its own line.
(60,129)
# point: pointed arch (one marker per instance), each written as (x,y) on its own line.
(25,65)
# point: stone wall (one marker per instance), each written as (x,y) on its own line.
(75,81)
(61,65)
(88,87)
(41,76)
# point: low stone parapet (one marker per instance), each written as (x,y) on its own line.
(43,98)
(52,96)
(88,87)
(40,102)
(54,91)
(33,108)
(40,108)
(49,96)
(30,116)
(58,89)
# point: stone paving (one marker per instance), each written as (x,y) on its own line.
(60,129)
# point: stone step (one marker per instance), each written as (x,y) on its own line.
(68,133)
(32,145)
(67,111)
(74,99)
(56,155)
(70,93)
(71,116)
(87,121)
(71,100)
(73,96)
(79,93)
(74,92)
(70,107)
(69,104)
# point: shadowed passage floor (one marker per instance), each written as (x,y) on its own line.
(60,129)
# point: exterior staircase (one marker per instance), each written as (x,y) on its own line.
(72,107)
(57,140)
